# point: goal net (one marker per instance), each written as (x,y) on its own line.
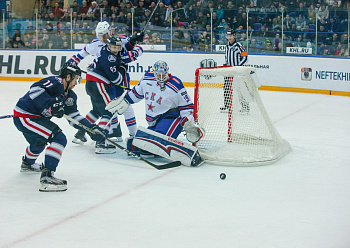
(238,130)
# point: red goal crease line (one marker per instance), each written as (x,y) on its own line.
(190,84)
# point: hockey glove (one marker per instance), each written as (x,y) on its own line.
(130,56)
(137,38)
(73,60)
(97,134)
(118,105)
(57,107)
(193,131)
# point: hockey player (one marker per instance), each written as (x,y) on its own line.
(129,53)
(169,110)
(235,55)
(103,73)
(47,98)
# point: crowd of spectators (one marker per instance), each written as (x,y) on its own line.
(258,23)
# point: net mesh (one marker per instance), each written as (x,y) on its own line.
(238,129)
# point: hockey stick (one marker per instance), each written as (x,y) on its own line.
(144,28)
(158,167)
(6,116)
(121,86)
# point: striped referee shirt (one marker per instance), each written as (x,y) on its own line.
(235,54)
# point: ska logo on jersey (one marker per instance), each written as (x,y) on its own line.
(150,107)
(112,58)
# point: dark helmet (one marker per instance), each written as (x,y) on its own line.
(231,31)
(69,68)
(114,40)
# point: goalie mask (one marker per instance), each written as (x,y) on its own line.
(103,31)
(114,44)
(161,70)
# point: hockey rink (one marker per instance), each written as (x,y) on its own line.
(302,201)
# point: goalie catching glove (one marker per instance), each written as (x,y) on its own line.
(193,131)
(118,105)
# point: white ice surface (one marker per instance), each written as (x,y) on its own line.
(302,201)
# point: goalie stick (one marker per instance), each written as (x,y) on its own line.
(158,167)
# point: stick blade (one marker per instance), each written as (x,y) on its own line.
(165,166)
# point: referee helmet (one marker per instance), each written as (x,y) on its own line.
(231,31)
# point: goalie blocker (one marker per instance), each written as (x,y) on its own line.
(164,146)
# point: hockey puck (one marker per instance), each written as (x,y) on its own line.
(222,176)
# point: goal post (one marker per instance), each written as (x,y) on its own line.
(238,130)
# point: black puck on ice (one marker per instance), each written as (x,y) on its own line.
(222,176)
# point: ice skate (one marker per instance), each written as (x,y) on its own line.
(79,137)
(26,167)
(49,183)
(104,148)
(116,135)
(197,160)
(244,108)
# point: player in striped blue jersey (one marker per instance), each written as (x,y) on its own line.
(235,55)
(129,53)
(47,98)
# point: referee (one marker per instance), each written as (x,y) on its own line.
(235,55)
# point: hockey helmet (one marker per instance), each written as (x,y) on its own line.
(114,41)
(161,73)
(103,28)
(72,69)
(231,31)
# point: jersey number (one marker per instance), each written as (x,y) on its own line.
(113,69)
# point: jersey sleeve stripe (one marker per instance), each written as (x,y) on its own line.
(137,94)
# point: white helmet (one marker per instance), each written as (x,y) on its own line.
(103,28)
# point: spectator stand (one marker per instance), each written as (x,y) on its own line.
(195,26)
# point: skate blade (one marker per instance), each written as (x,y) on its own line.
(78,141)
(29,171)
(105,150)
(116,139)
(52,188)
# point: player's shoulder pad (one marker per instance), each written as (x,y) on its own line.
(175,82)
(95,40)
(51,81)
(123,36)
(53,85)
(149,75)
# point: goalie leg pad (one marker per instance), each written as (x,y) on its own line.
(167,147)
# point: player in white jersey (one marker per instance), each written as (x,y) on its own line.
(169,110)
(130,52)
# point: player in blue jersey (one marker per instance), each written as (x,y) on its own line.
(103,74)
(169,110)
(47,98)
(130,52)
